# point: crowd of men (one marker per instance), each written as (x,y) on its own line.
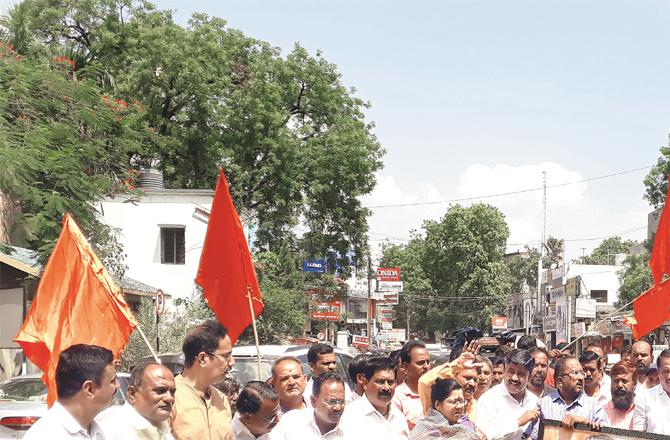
(466,397)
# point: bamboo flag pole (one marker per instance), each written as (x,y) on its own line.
(146,341)
(253,323)
(601,321)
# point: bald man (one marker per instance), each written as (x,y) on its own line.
(641,356)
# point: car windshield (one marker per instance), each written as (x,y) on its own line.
(24,389)
(246,369)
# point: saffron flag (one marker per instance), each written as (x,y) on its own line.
(226,273)
(76,303)
(660,254)
(652,309)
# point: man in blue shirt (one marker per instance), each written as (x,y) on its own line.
(569,404)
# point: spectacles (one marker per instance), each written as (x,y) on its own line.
(334,402)
(457,402)
(274,418)
(575,373)
(224,357)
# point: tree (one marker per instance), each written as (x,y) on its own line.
(656,181)
(64,146)
(292,139)
(554,248)
(604,253)
(635,278)
(523,270)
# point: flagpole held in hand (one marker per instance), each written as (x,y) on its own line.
(253,323)
(146,341)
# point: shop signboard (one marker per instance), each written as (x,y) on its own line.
(326,310)
(388,274)
(389,286)
(393,335)
(562,316)
(316,266)
(499,323)
(389,298)
(585,308)
(387,325)
(556,291)
(578,329)
(572,286)
(359,341)
(550,323)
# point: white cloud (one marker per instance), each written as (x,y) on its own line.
(573,211)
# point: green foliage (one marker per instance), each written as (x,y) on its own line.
(635,278)
(523,270)
(554,249)
(173,328)
(656,181)
(605,252)
(63,146)
(458,268)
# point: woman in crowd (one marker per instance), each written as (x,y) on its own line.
(446,418)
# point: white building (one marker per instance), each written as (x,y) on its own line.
(162,234)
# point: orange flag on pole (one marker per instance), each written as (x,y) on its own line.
(652,309)
(226,273)
(76,303)
(660,254)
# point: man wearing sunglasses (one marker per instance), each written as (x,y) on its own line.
(257,412)
(569,404)
(322,419)
(201,411)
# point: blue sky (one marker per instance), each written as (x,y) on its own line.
(477,97)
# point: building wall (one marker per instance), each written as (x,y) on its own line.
(140,225)
(598,277)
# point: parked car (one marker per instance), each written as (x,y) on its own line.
(23,402)
(246,367)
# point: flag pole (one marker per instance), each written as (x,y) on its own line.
(146,341)
(253,323)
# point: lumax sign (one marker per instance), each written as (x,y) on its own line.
(314,266)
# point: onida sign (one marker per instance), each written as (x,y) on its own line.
(388,274)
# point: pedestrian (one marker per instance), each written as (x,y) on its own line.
(593,381)
(652,377)
(497,370)
(641,355)
(145,414)
(356,374)
(484,378)
(374,415)
(320,422)
(257,412)
(85,383)
(621,408)
(510,409)
(537,382)
(569,404)
(321,358)
(200,410)
(652,407)
(605,381)
(230,386)
(416,362)
(289,381)
(446,417)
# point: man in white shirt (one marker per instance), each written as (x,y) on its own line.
(605,381)
(289,380)
(257,412)
(145,414)
(86,383)
(415,361)
(641,355)
(652,408)
(319,422)
(373,416)
(509,409)
(356,374)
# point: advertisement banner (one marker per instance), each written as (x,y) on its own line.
(326,310)
(585,308)
(360,341)
(550,323)
(562,316)
(316,266)
(572,286)
(393,335)
(499,322)
(389,286)
(389,298)
(556,291)
(388,274)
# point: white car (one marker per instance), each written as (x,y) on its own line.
(23,402)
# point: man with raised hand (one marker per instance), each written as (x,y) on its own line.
(86,383)
(289,380)
(200,410)
(510,409)
(144,416)
(374,415)
(415,361)
(320,422)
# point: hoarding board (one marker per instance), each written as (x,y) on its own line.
(389,286)
(359,341)
(499,322)
(316,266)
(388,274)
(389,298)
(326,310)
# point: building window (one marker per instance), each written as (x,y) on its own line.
(172,246)
(599,295)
